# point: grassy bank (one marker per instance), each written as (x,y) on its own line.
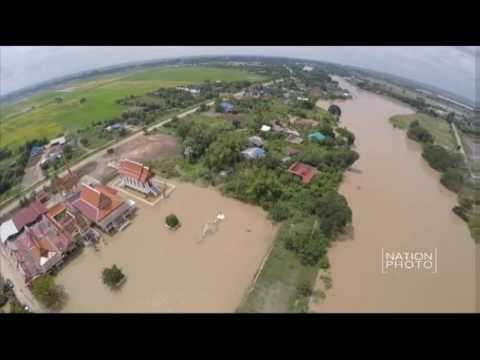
(439,128)
(440,150)
(276,289)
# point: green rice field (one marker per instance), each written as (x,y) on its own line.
(41,116)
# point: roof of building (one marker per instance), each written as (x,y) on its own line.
(37,248)
(317,136)
(253,152)
(135,170)
(227,106)
(265,128)
(7,229)
(59,140)
(256,140)
(289,151)
(96,202)
(304,171)
(28,214)
(36,150)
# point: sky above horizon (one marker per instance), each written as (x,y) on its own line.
(448,67)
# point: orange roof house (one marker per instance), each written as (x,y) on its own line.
(101,205)
(135,170)
(304,171)
(137,176)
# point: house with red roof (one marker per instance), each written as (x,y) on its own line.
(37,249)
(137,176)
(102,205)
(305,172)
(25,216)
(69,221)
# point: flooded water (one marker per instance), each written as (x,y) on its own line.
(171,271)
(398,205)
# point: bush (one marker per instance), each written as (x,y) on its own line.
(303,236)
(305,289)
(418,133)
(333,213)
(280,211)
(84,141)
(335,110)
(324,262)
(439,158)
(452,179)
(172,221)
(47,293)
(3,299)
(113,277)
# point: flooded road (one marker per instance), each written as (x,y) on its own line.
(171,271)
(398,205)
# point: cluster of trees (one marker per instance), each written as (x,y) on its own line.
(440,158)
(199,132)
(113,277)
(418,133)
(323,159)
(11,175)
(47,293)
(418,102)
(168,99)
(309,235)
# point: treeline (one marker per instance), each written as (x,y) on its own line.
(163,100)
(12,174)
(418,102)
(448,163)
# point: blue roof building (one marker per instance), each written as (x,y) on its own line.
(36,150)
(226,106)
(316,136)
(253,153)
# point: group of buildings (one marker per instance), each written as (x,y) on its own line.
(38,237)
(305,172)
(48,152)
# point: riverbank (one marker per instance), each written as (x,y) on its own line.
(398,204)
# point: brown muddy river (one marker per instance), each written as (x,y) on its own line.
(398,205)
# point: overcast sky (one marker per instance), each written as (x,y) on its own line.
(450,68)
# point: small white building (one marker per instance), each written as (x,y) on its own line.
(256,140)
(307,68)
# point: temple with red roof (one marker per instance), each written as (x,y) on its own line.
(137,176)
(102,206)
(304,171)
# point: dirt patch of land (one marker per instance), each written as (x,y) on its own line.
(142,148)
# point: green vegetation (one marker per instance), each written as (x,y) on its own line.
(314,214)
(47,293)
(418,133)
(440,151)
(441,159)
(335,110)
(276,290)
(43,116)
(172,221)
(439,128)
(113,277)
